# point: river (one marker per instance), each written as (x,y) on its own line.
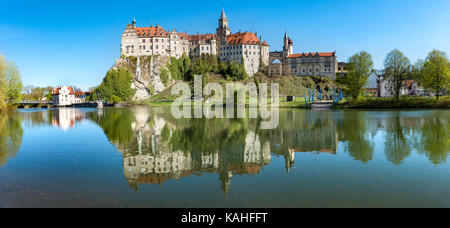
(144,157)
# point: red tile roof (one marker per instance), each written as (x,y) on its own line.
(321,54)
(183,36)
(202,37)
(151,32)
(56,91)
(243,38)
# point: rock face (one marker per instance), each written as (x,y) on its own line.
(146,71)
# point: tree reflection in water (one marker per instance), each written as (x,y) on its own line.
(353,130)
(156,147)
(11,133)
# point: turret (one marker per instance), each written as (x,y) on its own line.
(288,47)
(134,23)
(223,31)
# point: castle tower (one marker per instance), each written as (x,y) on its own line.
(223,31)
(288,47)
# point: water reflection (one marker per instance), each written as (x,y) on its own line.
(156,147)
(11,133)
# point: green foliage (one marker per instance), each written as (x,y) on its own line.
(10,83)
(116,124)
(49,96)
(397,68)
(165,76)
(353,132)
(11,133)
(3,83)
(150,89)
(360,65)
(115,99)
(236,72)
(117,82)
(435,72)
(14,85)
(393,103)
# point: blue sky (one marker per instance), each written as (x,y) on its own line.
(76,42)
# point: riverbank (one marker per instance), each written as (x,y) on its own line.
(364,103)
(392,103)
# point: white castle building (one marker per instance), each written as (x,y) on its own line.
(65,96)
(148,41)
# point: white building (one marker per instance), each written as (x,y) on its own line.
(65,96)
(386,87)
(148,41)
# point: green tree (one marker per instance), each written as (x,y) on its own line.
(435,74)
(116,82)
(165,77)
(243,71)
(3,72)
(353,131)
(11,133)
(397,68)
(14,85)
(38,93)
(359,67)
(115,99)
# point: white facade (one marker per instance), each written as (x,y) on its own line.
(149,41)
(65,96)
(372,81)
(386,87)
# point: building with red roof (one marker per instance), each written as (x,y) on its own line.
(66,96)
(288,63)
(155,40)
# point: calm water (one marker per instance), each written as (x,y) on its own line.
(145,158)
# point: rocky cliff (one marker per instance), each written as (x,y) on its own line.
(146,71)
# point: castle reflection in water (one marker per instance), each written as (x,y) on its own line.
(156,147)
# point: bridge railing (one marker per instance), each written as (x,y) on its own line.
(34,102)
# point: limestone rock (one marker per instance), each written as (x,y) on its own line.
(146,71)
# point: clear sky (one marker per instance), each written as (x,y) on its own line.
(76,42)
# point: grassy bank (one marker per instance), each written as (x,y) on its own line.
(391,103)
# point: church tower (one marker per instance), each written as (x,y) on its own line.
(223,31)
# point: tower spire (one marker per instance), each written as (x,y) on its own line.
(223,16)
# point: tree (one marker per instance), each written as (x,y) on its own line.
(416,70)
(115,99)
(10,83)
(243,71)
(27,89)
(14,85)
(3,70)
(435,74)
(116,82)
(359,67)
(397,68)
(37,93)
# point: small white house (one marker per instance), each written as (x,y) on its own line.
(386,87)
(65,96)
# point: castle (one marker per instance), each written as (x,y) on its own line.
(303,64)
(149,41)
